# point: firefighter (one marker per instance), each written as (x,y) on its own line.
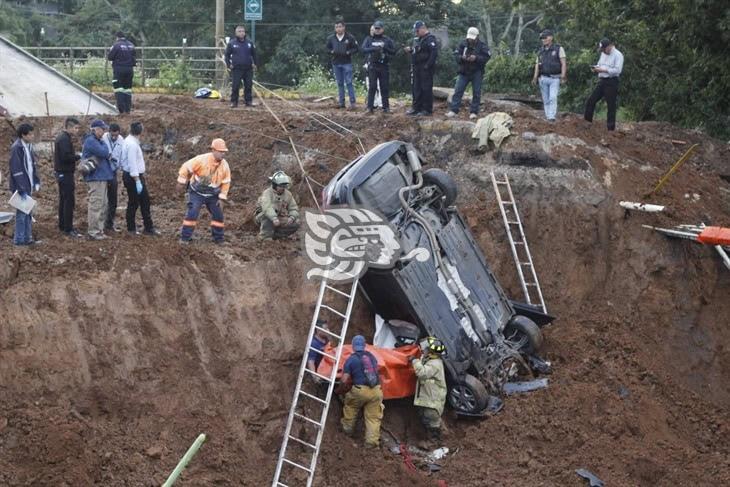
(208,179)
(431,388)
(123,60)
(277,213)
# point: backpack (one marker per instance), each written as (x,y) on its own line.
(372,378)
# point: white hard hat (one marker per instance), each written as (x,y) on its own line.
(472,33)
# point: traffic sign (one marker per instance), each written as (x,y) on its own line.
(254,10)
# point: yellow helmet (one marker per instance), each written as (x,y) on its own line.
(436,346)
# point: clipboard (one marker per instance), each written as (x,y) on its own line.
(25,205)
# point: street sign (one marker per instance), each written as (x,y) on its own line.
(254,10)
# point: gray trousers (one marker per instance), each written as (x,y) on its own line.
(97,207)
(268,230)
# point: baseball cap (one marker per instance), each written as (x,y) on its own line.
(358,343)
(546,33)
(378,24)
(472,33)
(605,42)
(99,124)
(419,24)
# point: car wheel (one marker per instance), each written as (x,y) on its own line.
(468,395)
(523,334)
(443,181)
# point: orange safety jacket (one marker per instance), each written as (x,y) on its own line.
(206,175)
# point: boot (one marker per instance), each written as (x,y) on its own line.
(128,102)
(120,103)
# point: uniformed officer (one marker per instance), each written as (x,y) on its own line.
(423,61)
(123,60)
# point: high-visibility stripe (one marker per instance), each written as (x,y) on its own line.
(216,224)
(118,90)
(182,180)
(189,223)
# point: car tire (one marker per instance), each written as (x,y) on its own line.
(468,395)
(523,331)
(444,182)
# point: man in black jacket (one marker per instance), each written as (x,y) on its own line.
(65,158)
(240,58)
(423,60)
(378,48)
(471,55)
(123,60)
(341,46)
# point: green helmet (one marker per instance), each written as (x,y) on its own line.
(279,178)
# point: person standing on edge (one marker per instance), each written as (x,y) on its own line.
(240,58)
(550,70)
(97,180)
(23,179)
(342,45)
(123,60)
(115,142)
(471,55)
(423,59)
(133,171)
(209,179)
(609,68)
(378,48)
(64,165)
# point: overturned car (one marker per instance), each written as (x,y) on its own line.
(451,294)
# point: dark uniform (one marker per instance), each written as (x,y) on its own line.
(64,165)
(470,72)
(123,60)
(423,59)
(379,48)
(240,58)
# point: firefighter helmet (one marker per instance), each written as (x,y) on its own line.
(279,178)
(436,346)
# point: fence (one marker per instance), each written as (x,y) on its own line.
(198,64)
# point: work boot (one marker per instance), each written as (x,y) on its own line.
(473,116)
(119,102)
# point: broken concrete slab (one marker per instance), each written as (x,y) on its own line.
(30,87)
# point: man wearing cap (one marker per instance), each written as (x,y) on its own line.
(97,180)
(471,55)
(123,60)
(208,179)
(378,48)
(609,68)
(320,339)
(342,45)
(550,71)
(361,372)
(240,59)
(423,60)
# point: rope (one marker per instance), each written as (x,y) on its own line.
(407,459)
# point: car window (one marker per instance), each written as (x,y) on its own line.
(380,190)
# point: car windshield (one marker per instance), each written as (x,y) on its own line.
(380,190)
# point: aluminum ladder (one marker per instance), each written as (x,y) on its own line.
(518,242)
(305,459)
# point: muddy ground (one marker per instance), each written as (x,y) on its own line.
(114,355)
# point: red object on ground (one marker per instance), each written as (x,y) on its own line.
(715,236)
(397,378)
(407,459)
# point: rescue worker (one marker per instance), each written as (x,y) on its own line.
(609,67)
(341,46)
(471,56)
(114,140)
(123,60)
(379,48)
(277,214)
(24,179)
(423,61)
(319,341)
(240,58)
(431,388)
(208,179)
(361,372)
(551,71)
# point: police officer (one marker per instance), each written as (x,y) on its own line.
(431,388)
(240,58)
(423,61)
(378,48)
(277,213)
(123,60)
(471,56)
(550,70)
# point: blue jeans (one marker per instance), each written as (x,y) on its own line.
(549,87)
(195,203)
(23,228)
(343,75)
(476,87)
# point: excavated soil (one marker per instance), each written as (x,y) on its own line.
(114,356)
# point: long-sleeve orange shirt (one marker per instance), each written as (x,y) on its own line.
(206,175)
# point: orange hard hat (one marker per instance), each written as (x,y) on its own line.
(219,145)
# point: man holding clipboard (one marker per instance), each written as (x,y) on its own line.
(23,181)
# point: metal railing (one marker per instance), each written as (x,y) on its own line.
(200,62)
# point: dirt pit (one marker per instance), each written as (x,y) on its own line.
(114,356)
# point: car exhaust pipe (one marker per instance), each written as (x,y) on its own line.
(413,159)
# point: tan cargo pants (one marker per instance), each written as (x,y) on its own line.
(97,207)
(370,400)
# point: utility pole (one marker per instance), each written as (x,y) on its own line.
(220,67)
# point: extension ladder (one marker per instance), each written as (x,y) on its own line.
(518,242)
(305,459)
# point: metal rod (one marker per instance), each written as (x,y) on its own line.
(674,168)
(184,460)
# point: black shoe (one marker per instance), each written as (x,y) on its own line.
(234,105)
(425,114)
(412,113)
(73,234)
(132,232)
(340,107)
(369,111)
(249,104)
(152,232)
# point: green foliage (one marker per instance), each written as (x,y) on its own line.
(175,75)
(508,74)
(89,73)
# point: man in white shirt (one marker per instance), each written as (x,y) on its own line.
(609,68)
(133,177)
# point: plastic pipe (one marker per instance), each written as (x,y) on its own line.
(184,461)
(641,206)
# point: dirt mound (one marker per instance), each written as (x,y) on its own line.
(114,356)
